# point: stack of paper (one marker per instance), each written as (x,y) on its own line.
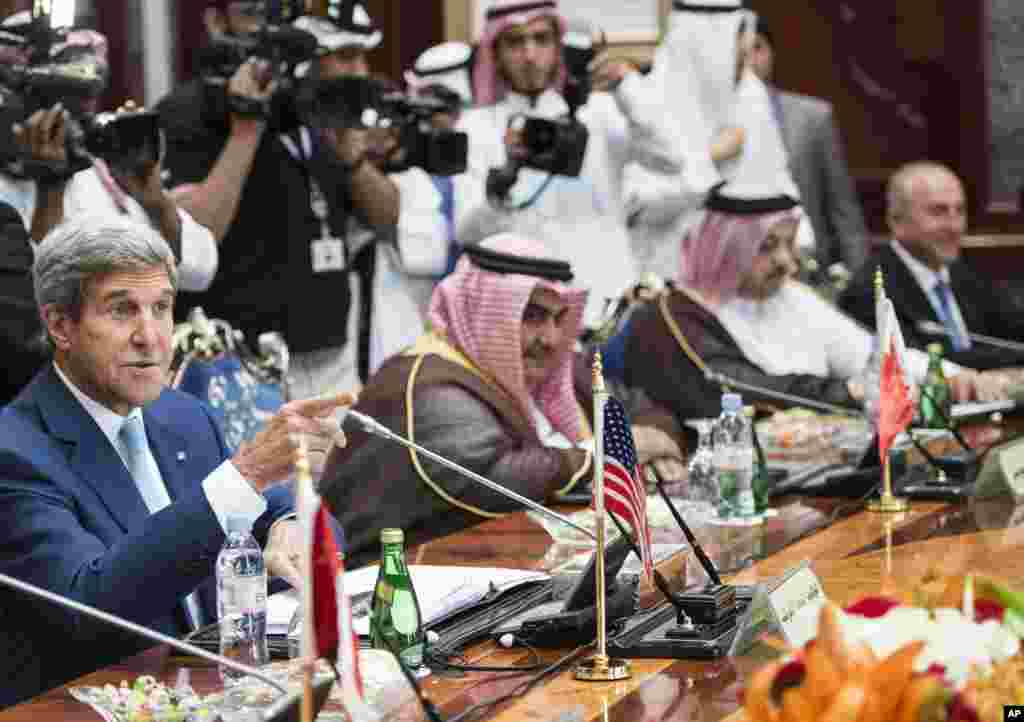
(441,591)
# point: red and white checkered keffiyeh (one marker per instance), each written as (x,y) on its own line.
(481,313)
(488,85)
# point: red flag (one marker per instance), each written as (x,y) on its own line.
(326,569)
(895,407)
(624,490)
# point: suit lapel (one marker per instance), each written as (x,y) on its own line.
(92,456)
(901,286)
(171,453)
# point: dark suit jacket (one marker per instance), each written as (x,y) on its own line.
(75,523)
(21,335)
(818,166)
(984,308)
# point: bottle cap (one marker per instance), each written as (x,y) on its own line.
(392,536)
(235,523)
(732,403)
(934,348)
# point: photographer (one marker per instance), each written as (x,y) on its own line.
(278,200)
(520,70)
(47,189)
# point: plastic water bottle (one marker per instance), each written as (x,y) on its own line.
(734,459)
(241,599)
(701,476)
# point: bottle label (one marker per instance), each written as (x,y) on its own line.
(404,617)
(384,592)
(244,594)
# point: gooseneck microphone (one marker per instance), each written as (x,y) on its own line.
(931,328)
(723,380)
(145,632)
(372,426)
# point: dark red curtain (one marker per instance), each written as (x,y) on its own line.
(114,19)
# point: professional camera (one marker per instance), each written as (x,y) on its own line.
(282,49)
(554,145)
(354,102)
(129,140)
(57,71)
(437,151)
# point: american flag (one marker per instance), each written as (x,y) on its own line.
(624,490)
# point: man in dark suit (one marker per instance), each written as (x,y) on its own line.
(817,164)
(925,277)
(115,490)
(21,340)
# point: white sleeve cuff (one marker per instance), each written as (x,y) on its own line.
(199,256)
(230,494)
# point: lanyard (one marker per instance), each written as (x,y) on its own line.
(328,253)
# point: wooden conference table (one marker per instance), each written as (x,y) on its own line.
(852,555)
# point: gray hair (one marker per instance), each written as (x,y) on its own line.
(900,188)
(86,246)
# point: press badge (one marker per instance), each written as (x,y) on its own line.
(328,255)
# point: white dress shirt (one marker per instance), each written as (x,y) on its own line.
(927,278)
(227,492)
(796,331)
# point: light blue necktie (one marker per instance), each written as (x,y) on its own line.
(945,296)
(142,466)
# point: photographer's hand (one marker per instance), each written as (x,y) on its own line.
(214,202)
(251,82)
(351,145)
(372,191)
(146,187)
(42,139)
(606,72)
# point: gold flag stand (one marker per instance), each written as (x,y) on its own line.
(887,503)
(600,667)
(304,477)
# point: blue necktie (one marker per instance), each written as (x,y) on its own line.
(945,295)
(142,466)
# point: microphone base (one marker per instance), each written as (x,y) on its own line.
(658,634)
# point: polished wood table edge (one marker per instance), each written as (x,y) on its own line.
(852,555)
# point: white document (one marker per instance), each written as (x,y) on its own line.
(440,590)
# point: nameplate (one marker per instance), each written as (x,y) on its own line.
(788,606)
(1003,472)
(1011,462)
(796,603)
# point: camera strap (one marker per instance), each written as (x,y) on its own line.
(327,252)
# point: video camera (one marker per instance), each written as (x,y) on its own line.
(554,145)
(282,48)
(354,102)
(55,71)
(435,150)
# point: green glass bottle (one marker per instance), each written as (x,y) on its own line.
(759,482)
(936,403)
(395,620)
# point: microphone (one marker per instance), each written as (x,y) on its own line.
(931,328)
(89,611)
(374,427)
(698,550)
(723,380)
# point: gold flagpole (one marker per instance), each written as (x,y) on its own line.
(887,503)
(599,667)
(304,480)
